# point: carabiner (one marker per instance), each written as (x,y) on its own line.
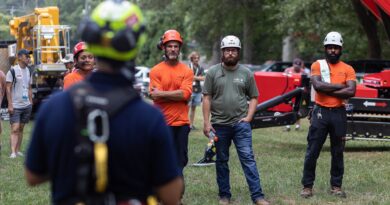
(92,127)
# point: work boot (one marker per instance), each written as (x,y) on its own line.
(307,192)
(224,201)
(262,202)
(337,191)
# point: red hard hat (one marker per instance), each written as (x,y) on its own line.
(172,35)
(79,47)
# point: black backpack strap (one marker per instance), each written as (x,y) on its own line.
(86,99)
(12,70)
(84,148)
(83,95)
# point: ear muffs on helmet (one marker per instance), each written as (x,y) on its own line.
(160,44)
(123,40)
(90,31)
(114,30)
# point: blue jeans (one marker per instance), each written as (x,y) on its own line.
(241,134)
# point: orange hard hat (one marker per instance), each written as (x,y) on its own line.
(171,35)
(78,48)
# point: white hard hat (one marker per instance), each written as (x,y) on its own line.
(230,42)
(333,38)
(68,58)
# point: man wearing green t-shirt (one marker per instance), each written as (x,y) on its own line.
(227,87)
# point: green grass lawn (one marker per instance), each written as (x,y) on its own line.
(279,158)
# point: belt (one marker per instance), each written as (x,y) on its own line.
(330,108)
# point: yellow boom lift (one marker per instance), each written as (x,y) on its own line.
(41,33)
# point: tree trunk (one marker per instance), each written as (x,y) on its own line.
(289,50)
(247,42)
(215,56)
(369,24)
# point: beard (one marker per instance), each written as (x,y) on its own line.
(230,61)
(333,58)
(171,56)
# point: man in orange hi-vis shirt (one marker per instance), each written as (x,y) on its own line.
(334,82)
(171,88)
(84,64)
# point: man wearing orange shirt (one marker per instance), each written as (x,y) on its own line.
(84,63)
(298,67)
(334,82)
(170,88)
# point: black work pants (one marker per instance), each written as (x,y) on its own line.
(180,139)
(324,121)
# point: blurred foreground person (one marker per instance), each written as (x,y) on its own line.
(99,142)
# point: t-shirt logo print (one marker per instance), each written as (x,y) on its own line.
(238,80)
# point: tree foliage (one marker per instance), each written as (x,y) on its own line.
(260,24)
(157,24)
(309,21)
(4,27)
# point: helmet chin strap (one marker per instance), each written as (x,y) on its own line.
(128,70)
